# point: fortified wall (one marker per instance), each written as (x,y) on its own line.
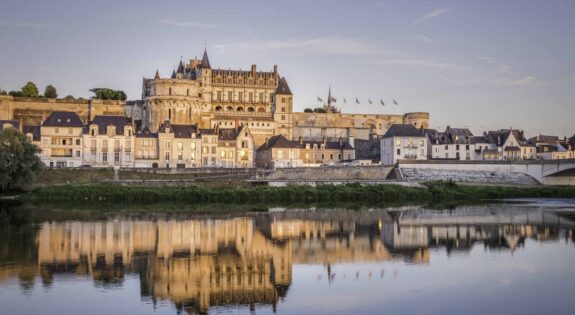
(32,111)
(316,126)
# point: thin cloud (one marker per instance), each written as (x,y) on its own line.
(24,25)
(502,67)
(321,45)
(426,39)
(187,24)
(433,14)
(424,63)
(527,81)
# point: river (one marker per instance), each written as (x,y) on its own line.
(498,258)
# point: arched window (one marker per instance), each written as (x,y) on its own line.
(229,108)
(240,109)
(251,109)
(218,108)
(261,110)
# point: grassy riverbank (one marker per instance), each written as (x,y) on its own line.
(291,194)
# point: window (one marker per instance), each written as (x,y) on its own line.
(77,141)
(331,156)
(167,156)
(398,142)
(170,91)
(467,147)
(180,146)
(180,156)
(167,145)
(219,95)
(104,156)
(457,147)
(420,142)
(398,151)
(205,150)
(283,99)
(261,97)
(230,154)
(280,154)
(77,153)
(223,154)
(283,117)
(240,96)
(251,96)
(193,156)
(230,96)
(117,156)
(193,146)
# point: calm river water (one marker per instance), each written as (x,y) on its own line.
(510,258)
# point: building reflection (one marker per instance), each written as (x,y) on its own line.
(201,263)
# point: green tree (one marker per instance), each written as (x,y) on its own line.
(320,110)
(30,90)
(50,91)
(108,94)
(16,93)
(19,164)
(308,110)
(70,97)
(3,92)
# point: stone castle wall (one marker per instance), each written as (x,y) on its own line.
(33,111)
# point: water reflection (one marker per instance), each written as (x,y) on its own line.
(200,263)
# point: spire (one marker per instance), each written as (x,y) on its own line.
(329,98)
(206,60)
(181,67)
(283,88)
(157,76)
(173,74)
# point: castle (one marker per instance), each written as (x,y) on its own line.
(214,98)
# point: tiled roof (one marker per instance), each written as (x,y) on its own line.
(278,141)
(402,130)
(63,119)
(456,136)
(103,121)
(34,130)
(499,137)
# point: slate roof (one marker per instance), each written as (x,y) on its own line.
(63,119)
(103,121)
(499,137)
(278,141)
(146,133)
(179,131)
(456,136)
(228,134)
(34,130)
(402,130)
(283,88)
(480,139)
(206,61)
(544,139)
(180,67)
(572,141)
(330,145)
(14,123)
(367,149)
(208,132)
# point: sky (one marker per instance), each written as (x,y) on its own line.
(483,64)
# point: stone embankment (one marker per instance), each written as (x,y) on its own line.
(340,173)
(480,177)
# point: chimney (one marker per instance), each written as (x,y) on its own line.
(276,76)
(253,70)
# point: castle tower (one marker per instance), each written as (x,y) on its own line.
(283,101)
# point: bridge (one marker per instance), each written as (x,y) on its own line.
(546,172)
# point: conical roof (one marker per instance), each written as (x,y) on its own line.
(206,60)
(157,76)
(283,88)
(181,67)
(173,74)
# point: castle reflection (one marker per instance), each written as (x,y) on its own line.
(200,263)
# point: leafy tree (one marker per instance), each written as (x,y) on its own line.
(16,93)
(320,110)
(3,92)
(50,92)
(19,164)
(108,94)
(70,97)
(308,110)
(30,90)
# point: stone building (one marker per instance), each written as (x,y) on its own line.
(278,152)
(61,140)
(109,141)
(403,142)
(146,149)
(325,152)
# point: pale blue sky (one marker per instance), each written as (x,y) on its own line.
(481,64)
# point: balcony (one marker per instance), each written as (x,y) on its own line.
(61,155)
(410,146)
(410,157)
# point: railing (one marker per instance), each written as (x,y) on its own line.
(61,155)
(411,146)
